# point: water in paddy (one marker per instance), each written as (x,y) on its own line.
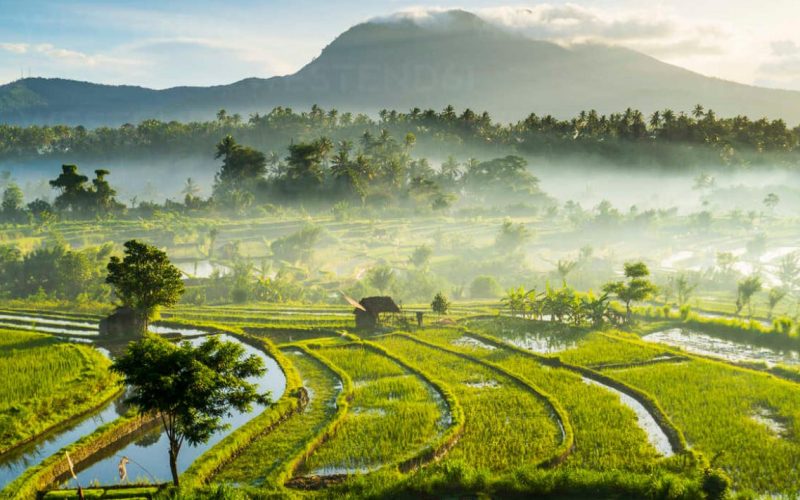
(655,434)
(707,345)
(14,463)
(542,343)
(149,458)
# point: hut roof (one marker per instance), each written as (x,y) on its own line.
(376,305)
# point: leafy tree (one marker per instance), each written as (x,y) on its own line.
(440,304)
(381,277)
(72,189)
(683,289)
(511,236)
(484,287)
(12,205)
(103,195)
(746,288)
(41,210)
(771,201)
(145,280)
(774,296)
(242,168)
(297,246)
(637,287)
(421,256)
(190,388)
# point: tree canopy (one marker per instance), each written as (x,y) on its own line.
(190,388)
(144,279)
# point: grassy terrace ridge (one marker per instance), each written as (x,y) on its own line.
(292,401)
(718,407)
(607,435)
(507,424)
(53,382)
(393,415)
(261,462)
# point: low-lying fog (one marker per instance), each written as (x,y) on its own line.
(712,190)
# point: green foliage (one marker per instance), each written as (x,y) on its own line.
(484,287)
(54,271)
(745,290)
(190,388)
(81,200)
(297,247)
(381,277)
(440,304)
(637,288)
(144,279)
(512,236)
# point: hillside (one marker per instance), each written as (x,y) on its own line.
(460,60)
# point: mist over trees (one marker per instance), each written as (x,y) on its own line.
(668,138)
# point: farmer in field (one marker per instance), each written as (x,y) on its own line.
(123,470)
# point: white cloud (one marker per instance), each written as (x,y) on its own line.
(15,48)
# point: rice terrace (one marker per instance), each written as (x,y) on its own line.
(548,250)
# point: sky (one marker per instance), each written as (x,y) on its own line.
(162,44)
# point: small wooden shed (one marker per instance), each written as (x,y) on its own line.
(369,315)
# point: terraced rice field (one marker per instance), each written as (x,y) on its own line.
(517,406)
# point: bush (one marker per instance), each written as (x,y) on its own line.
(484,287)
(715,484)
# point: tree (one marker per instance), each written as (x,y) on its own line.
(421,256)
(683,289)
(381,277)
(484,287)
(242,168)
(12,205)
(190,388)
(746,288)
(72,190)
(144,280)
(771,201)
(774,296)
(511,236)
(789,270)
(440,304)
(103,195)
(637,287)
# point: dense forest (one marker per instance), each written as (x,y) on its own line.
(666,138)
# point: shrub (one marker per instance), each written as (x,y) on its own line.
(484,287)
(715,484)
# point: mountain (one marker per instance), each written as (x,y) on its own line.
(454,58)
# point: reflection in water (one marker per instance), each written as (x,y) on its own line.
(542,343)
(700,343)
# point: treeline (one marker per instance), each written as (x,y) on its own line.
(55,271)
(621,137)
(378,171)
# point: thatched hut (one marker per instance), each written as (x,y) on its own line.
(369,314)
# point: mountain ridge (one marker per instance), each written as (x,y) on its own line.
(455,59)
